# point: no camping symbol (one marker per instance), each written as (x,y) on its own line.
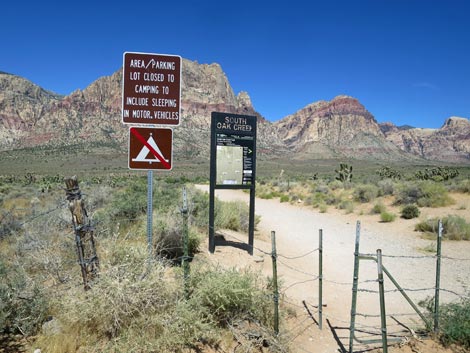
(150,148)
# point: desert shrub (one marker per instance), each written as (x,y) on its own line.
(335,184)
(127,289)
(266,196)
(284,198)
(410,211)
(324,189)
(23,305)
(386,187)
(316,199)
(323,208)
(387,216)
(229,295)
(232,215)
(463,186)
(169,238)
(378,208)
(365,193)
(424,194)
(346,205)
(131,202)
(136,306)
(228,215)
(199,208)
(453,227)
(434,195)
(9,224)
(454,321)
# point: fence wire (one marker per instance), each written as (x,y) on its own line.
(304,324)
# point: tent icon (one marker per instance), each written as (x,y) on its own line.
(145,151)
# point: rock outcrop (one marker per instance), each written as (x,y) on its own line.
(450,143)
(342,127)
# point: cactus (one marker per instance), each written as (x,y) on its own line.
(344,172)
(387,172)
(437,174)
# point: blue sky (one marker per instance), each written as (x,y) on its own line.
(407,61)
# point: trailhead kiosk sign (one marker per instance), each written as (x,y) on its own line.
(233,163)
(151,90)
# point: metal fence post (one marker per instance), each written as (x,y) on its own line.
(150,214)
(438,277)
(320,278)
(354,287)
(383,317)
(275,288)
(185,259)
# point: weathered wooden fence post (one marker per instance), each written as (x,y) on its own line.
(84,232)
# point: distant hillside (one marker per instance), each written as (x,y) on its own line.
(340,128)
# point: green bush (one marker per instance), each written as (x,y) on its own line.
(424,194)
(410,211)
(464,186)
(346,205)
(129,203)
(137,306)
(284,198)
(9,224)
(169,238)
(232,215)
(334,185)
(23,305)
(378,208)
(454,321)
(386,187)
(453,227)
(365,193)
(387,216)
(229,295)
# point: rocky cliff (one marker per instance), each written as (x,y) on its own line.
(450,143)
(342,127)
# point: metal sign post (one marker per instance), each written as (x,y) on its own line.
(233,163)
(150,213)
(151,95)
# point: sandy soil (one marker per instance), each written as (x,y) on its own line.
(406,256)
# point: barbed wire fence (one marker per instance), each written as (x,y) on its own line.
(314,313)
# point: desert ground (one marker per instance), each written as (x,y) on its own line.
(408,256)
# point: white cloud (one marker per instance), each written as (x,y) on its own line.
(426,85)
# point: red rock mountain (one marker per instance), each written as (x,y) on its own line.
(450,143)
(342,127)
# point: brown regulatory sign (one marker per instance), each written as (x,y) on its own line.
(150,148)
(151,90)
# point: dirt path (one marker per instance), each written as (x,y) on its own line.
(297,229)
